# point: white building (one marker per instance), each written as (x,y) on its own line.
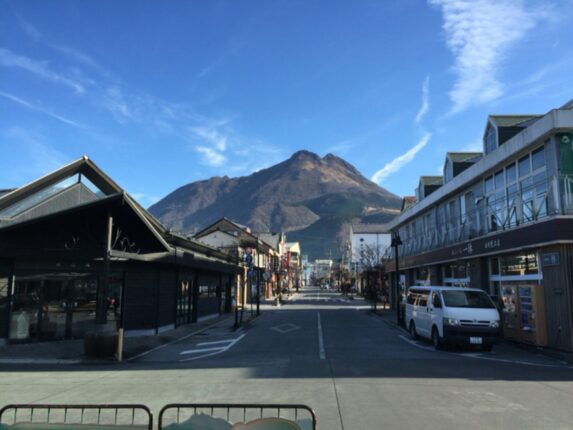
(368,243)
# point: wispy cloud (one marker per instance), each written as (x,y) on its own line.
(213,136)
(480,33)
(40,69)
(37,108)
(425,101)
(41,156)
(210,156)
(397,163)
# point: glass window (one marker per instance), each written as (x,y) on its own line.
(524,166)
(488,187)
(436,300)
(467,299)
(510,173)
(538,158)
(38,197)
(490,140)
(519,265)
(423,298)
(499,182)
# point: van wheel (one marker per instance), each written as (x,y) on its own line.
(412,330)
(436,341)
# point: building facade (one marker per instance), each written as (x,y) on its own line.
(78,254)
(502,222)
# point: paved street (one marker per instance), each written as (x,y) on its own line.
(356,369)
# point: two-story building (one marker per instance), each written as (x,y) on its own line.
(502,221)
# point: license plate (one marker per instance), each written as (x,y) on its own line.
(476,340)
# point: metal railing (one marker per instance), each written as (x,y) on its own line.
(493,213)
(58,417)
(183,414)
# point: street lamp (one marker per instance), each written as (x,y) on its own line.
(396,242)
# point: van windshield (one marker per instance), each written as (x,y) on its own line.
(467,299)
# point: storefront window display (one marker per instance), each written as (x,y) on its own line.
(456,274)
(50,306)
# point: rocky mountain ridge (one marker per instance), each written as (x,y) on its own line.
(314,199)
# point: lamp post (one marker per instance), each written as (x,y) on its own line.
(396,242)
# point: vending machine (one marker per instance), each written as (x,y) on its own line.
(524,313)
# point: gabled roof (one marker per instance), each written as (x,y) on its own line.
(110,191)
(464,157)
(407,201)
(271,239)
(227,225)
(511,120)
(431,180)
(84,166)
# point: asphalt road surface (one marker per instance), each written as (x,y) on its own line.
(353,368)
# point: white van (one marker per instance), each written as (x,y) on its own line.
(452,315)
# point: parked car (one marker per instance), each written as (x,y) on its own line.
(452,315)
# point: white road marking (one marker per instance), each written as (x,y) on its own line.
(173,341)
(285,328)
(321,351)
(214,343)
(481,356)
(197,351)
(219,350)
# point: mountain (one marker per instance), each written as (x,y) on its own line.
(312,199)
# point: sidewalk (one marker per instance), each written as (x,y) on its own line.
(506,346)
(72,351)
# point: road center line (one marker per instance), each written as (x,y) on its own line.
(321,351)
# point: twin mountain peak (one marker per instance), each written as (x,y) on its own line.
(313,199)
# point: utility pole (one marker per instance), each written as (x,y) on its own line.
(396,242)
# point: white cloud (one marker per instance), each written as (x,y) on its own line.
(480,33)
(425,101)
(34,107)
(9,59)
(210,156)
(397,163)
(213,136)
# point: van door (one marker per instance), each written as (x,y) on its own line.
(423,320)
(436,312)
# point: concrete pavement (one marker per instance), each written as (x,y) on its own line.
(331,353)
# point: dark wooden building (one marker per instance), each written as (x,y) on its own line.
(78,254)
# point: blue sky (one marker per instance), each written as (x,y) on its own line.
(160,94)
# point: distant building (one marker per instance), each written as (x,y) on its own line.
(369,244)
(502,222)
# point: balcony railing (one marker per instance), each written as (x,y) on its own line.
(501,211)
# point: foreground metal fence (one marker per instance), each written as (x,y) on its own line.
(256,416)
(84,417)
